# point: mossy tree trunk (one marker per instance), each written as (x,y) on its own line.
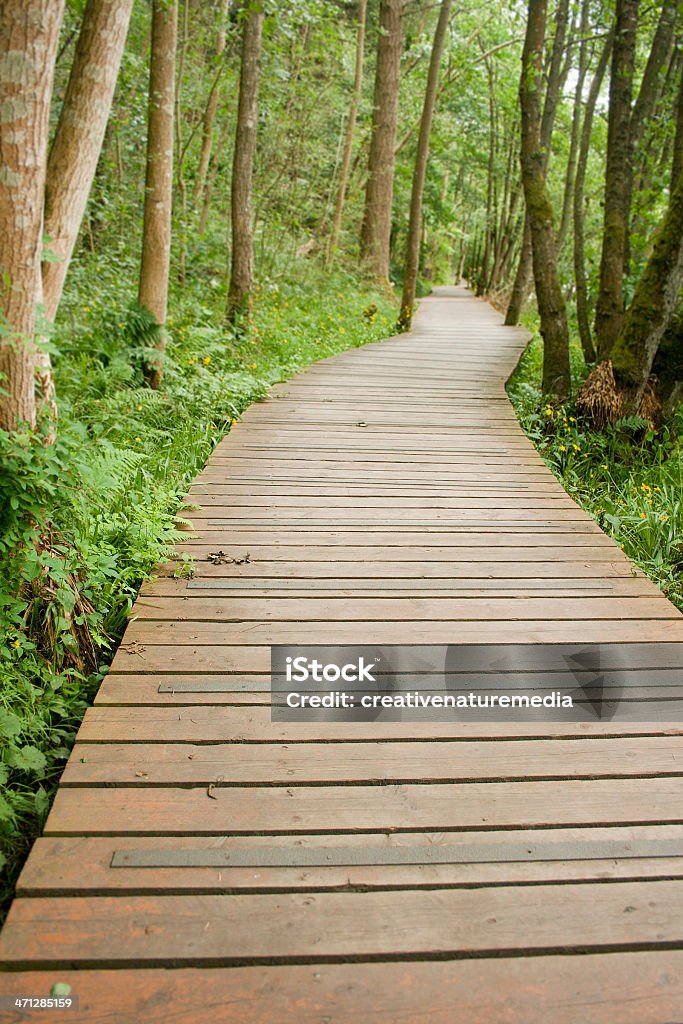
(156,231)
(548,292)
(655,299)
(582,312)
(420,170)
(557,74)
(242,249)
(609,311)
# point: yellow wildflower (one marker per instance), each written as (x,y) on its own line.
(562,448)
(642,515)
(206,360)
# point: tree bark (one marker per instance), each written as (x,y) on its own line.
(29,34)
(79,134)
(580,283)
(211,106)
(576,129)
(556,77)
(156,232)
(333,240)
(376,230)
(415,222)
(548,292)
(655,299)
(242,255)
(645,104)
(609,311)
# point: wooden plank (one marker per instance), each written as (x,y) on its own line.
(331,808)
(221,930)
(253,725)
(171,613)
(279,764)
(56,865)
(631,988)
(232,690)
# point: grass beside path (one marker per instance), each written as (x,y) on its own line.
(84,522)
(629,477)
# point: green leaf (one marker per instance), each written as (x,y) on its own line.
(10,724)
(27,758)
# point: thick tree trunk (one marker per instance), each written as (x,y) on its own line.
(80,131)
(242,255)
(333,240)
(609,312)
(548,292)
(415,223)
(655,299)
(556,78)
(580,283)
(29,33)
(211,105)
(156,235)
(376,230)
(645,104)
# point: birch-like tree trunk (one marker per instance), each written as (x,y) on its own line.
(242,251)
(375,240)
(79,134)
(156,232)
(415,222)
(333,240)
(29,34)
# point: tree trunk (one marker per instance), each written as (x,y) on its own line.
(242,256)
(581,286)
(645,104)
(375,238)
(350,131)
(655,298)
(29,34)
(576,129)
(556,78)
(211,105)
(609,312)
(415,223)
(548,292)
(79,134)
(156,232)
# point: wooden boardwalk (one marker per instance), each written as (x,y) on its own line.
(386,495)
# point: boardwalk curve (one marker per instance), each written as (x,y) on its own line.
(386,495)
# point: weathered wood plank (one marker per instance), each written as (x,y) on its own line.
(213,929)
(56,866)
(331,808)
(274,764)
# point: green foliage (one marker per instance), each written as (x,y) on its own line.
(629,477)
(86,520)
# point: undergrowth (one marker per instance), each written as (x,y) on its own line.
(84,522)
(629,477)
